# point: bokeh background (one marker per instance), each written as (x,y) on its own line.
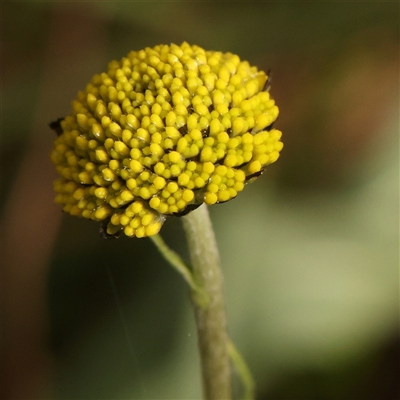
(309,251)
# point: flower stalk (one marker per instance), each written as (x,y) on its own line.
(210,317)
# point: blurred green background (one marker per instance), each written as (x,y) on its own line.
(309,251)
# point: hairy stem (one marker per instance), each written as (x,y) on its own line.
(210,317)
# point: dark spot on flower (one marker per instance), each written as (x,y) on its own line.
(183,129)
(56,126)
(206,132)
(269,127)
(255,175)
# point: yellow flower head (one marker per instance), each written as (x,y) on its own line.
(161,132)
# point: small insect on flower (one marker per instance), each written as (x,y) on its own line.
(164,130)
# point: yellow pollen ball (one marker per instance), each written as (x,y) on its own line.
(101,193)
(145,193)
(221,170)
(182,145)
(124,220)
(159,168)
(136,166)
(213,188)
(159,182)
(140,232)
(174,157)
(155,202)
(153,229)
(191,166)
(126,195)
(254,167)
(183,179)
(172,187)
(163,208)
(131,184)
(102,213)
(102,156)
(223,195)
(129,231)
(206,154)
(188,195)
(146,219)
(135,223)
(199,182)
(161,131)
(208,167)
(210,198)
(230,160)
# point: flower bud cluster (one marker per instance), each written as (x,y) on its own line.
(161,132)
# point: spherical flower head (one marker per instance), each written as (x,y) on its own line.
(164,130)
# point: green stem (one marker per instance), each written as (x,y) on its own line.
(201,299)
(211,318)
